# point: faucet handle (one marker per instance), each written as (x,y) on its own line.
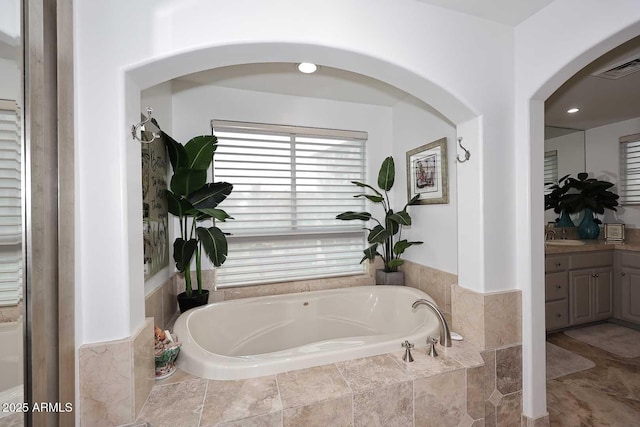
(431,342)
(407,353)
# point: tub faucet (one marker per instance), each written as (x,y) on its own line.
(445,334)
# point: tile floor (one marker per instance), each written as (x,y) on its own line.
(606,395)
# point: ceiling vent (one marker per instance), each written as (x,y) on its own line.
(620,69)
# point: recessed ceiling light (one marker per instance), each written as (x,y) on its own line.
(573,110)
(307,67)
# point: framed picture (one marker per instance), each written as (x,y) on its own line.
(427,173)
(614,232)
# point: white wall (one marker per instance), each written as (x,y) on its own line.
(146,42)
(11,81)
(194,107)
(603,162)
(415,124)
(10,21)
(579,31)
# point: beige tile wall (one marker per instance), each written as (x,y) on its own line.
(227,294)
(488,320)
(435,283)
(161,304)
(116,378)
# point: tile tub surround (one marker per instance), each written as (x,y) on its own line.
(502,386)
(490,320)
(226,294)
(380,390)
(116,378)
(161,303)
(435,283)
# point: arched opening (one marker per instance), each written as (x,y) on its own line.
(442,103)
(534,336)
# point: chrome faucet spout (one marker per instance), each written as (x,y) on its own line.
(445,334)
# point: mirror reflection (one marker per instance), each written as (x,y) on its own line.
(564,154)
(11,289)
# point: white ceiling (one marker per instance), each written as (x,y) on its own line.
(508,12)
(601,101)
(284,78)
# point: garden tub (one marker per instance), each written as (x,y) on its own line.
(259,336)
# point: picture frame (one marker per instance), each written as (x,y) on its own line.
(427,174)
(614,232)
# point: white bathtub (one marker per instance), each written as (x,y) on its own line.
(267,335)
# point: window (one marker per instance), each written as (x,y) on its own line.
(550,169)
(10,205)
(629,182)
(289,183)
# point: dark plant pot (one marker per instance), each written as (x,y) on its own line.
(564,220)
(392,278)
(588,228)
(195,300)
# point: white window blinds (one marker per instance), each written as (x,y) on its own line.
(629,182)
(289,183)
(550,169)
(10,205)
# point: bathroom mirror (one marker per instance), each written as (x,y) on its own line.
(564,154)
(11,223)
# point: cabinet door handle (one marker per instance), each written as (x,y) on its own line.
(623,274)
(558,315)
(593,275)
(597,274)
(558,286)
(558,264)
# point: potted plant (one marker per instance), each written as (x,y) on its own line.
(192,200)
(388,232)
(590,195)
(552,201)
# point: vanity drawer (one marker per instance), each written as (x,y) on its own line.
(591,260)
(557,314)
(556,286)
(629,259)
(556,263)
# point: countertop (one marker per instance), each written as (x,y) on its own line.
(592,246)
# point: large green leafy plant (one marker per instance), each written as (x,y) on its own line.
(387,233)
(575,195)
(193,200)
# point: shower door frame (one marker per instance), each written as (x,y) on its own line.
(50,361)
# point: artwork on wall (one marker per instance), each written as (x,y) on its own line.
(155,214)
(427,173)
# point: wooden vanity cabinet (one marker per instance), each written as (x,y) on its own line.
(578,288)
(627,286)
(591,295)
(556,292)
